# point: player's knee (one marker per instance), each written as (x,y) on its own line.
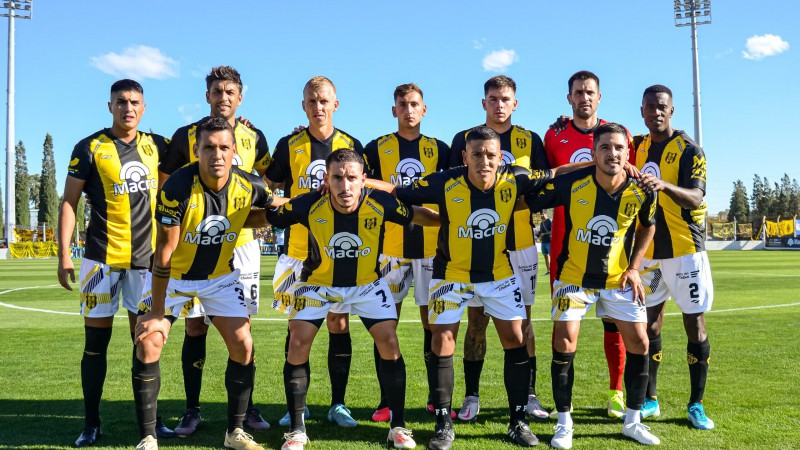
(196,326)
(149,349)
(338,323)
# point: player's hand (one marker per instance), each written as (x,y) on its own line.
(561,123)
(299,128)
(631,278)
(66,269)
(323,188)
(632,170)
(148,324)
(246,122)
(651,183)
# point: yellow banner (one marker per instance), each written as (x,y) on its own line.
(23,235)
(745,229)
(722,230)
(33,249)
(772,229)
(786,227)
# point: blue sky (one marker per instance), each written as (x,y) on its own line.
(748,63)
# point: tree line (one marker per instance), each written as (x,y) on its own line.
(770,200)
(36,191)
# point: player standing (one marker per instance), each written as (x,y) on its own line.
(117,169)
(298,167)
(224,96)
(599,264)
(522,148)
(401,158)
(674,165)
(570,144)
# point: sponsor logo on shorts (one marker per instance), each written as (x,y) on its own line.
(600,230)
(313,177)
(133,178)
(408,170)
(346,245)
(481,224)
(213,230)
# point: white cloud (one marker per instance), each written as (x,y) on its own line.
(499,60)
(478,44)
(723,54)
(188,112)
(137,62)
(760,47)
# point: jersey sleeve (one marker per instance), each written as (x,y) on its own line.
(371,162)
(693,168)
(530,182)
(538,156)
(172,200)
(262,196)
(421,191)
(357,147)
(647,213)
(80,162)
(279,170)
(395,211)
(295,211)
(444,155)
(162,144)
(548,197)
(458,146)
(177,153)
(262,153)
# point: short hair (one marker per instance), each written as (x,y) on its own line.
(212,124)
(499,82)
(126,85)
(405,89)
(482,133)
(608,128)
(223,73)
(316,83)
(344,155)
(582,75)
(657,89)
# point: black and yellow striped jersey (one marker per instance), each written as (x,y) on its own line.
(345,247)
(121,181)
(599,227)
(252,153)
(472,245)
(396,160)
(520,147)
(679,161)
(299,163)
(209,221)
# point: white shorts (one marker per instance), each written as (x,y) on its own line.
(687,279)
(247,259)
(398,273)
(500,299)
(287,274)
(525,264)
(571,303)
(371,301)
(101,286)
(222,296)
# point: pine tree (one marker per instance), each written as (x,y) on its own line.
(795,198)
(48,197)
(34,180)
(22,211)
(739,208)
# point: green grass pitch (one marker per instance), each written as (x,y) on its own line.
(751,394)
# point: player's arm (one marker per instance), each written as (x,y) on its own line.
(66,225)
(381,185)
(686,198)
(425,217)
(692,177)
(167,238)
(257,218)
(278,170)
(645,230)
(263,158)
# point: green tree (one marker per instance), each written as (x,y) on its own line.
(795,199)
(34,180)
(739,208)
(22,198)
(48,197)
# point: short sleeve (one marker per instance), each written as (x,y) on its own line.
(693,169)
(421,191)
(263,158)
(262,196)
(171,202)
(279,170)
(538,156)
(80,162)
(295,211)
(458,146)
(177,152)
(370,156)
(548,197)
(530,182)
(444,155)
(395,211)
(647,214)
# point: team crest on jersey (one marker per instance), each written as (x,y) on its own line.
(581,155)
(630,209)
(133,178)
(481,224)
(314,175)
(370,222)
(346,245)
(212,230)
(522,143)
(505,195)
(408,171)
(600,230)
(238,202)
(148,149)
(246,143)
(671,157)
(427,151)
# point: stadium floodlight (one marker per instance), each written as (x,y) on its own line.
(691,13)
(15,9)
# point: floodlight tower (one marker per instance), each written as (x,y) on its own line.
(693,13)
(14,9)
